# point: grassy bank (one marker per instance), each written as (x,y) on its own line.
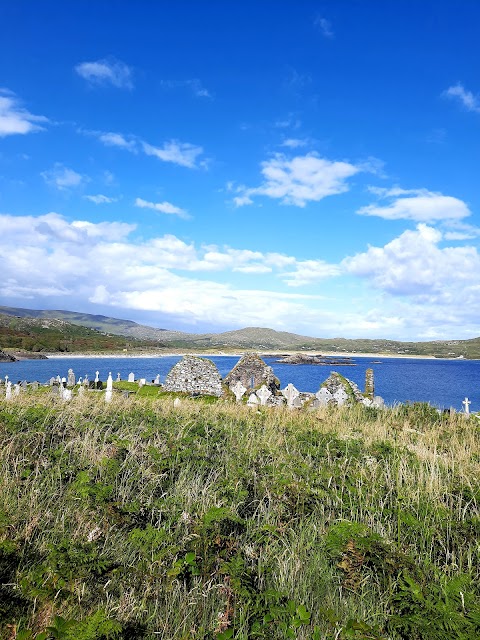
(214,521)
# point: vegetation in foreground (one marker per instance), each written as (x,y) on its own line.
(138,519)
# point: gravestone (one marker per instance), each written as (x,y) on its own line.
(378,402)
(81,390)
(290,393)
(63,382)
(52,381)
(8,389)
(131,377)
(85,380)
(16,390)
(24,384)
(109,383)
(34,385)
(97,374)
(142,382)
(323,397)
(466,403)
(341,397)
(194,375)
(264,394)
(238,390)
(252,400)
(71,378)
(108,395)
(118,377)
(157,380)
(67,395)
(176,402)
(297,403)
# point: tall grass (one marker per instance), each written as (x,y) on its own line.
(138,519)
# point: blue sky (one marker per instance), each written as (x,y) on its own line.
(205,166)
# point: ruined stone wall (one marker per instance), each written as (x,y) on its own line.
(253,372)
(194,375)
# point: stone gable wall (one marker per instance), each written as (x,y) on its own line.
(194,375)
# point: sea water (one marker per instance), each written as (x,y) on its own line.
(443,383)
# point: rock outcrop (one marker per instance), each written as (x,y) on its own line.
(194,375)
(253,372)
(6,357)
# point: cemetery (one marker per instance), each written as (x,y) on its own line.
(251,381)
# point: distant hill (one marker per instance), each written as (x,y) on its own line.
(42,334)
(250,338)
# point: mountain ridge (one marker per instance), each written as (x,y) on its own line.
(258,338)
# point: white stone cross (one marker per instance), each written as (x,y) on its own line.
(97,373)
(264,394)
(110,382)
(6,379)
(290,393)
(340,396)
(323,396)
(467,404)
(238,389)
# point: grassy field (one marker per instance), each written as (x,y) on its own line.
(210,520)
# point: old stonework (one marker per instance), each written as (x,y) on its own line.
(194,375)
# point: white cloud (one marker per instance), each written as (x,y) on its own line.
(107,71)
(163,207)
(299,180)
(419,205)
(63,178)
(195,86)
(470,101)
(413,264)
(294,143)
(14,119)
(324,26)
(181,153)
(310,271)
(100,199)
(110,139)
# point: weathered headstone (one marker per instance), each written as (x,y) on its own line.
(24,384)
(177,402)
(8,389)
(109,383)
(108,395)
(118,377)
(52,381)
(67,395)
(253,400)
(131,377)
(142,382)
(341,397)
(466,403)
(290,393)
(34,386)
(85,380)
(157,380)
(16,390)
(238,390)
(264,394)
(81,390)
(323,397)
(71,378)
(378,402)
(297,403)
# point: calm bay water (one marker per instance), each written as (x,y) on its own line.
(443,383)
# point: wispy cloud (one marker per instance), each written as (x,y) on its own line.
(466,98)
(419,205)
(163,207)
(100,199)
(324,26)
(63,178)
(294,143)
(106,72)
(195,86)
(110,139)
(181,153)
(14,119)
(299,180)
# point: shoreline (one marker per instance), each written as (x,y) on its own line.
(273,353)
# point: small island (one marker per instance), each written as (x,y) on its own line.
(303,358)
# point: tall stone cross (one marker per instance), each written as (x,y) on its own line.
(466,403)
(340,396)
(323,396)
(290,393)
(264,394)
(97,373)
(238,389)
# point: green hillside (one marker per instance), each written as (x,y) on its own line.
(253,338)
